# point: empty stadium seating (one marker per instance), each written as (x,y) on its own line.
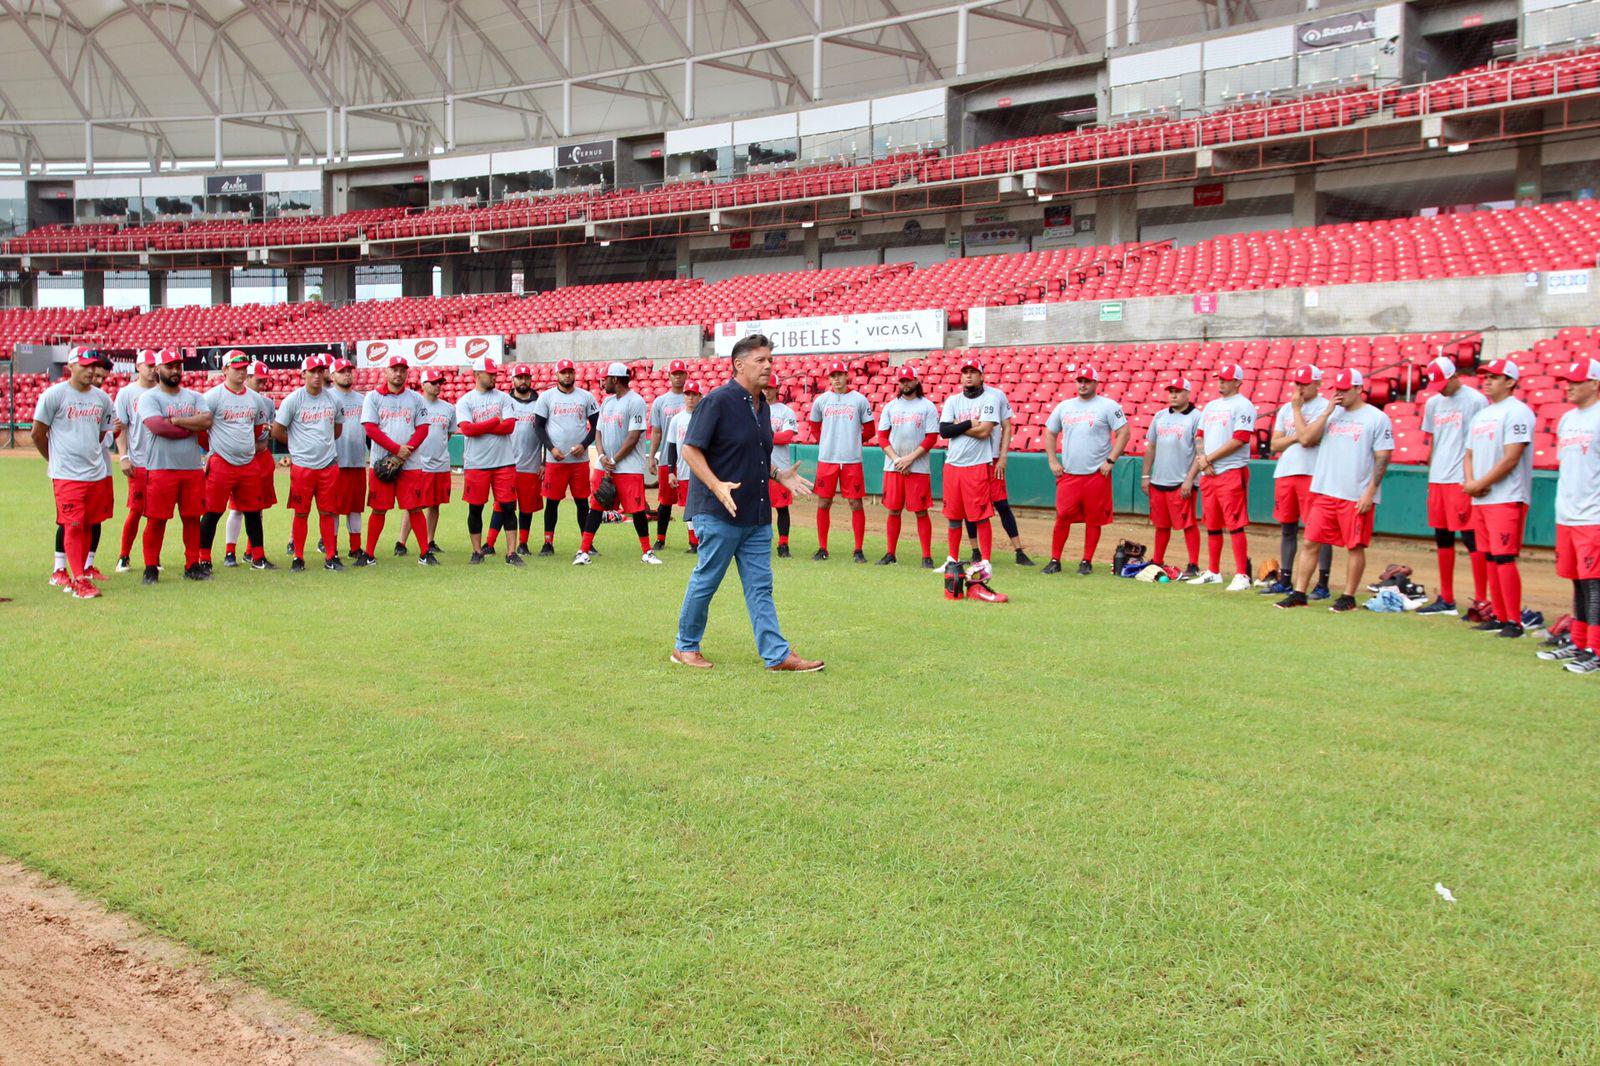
(51,325)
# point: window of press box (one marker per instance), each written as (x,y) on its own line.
(765,153)
(521,183)
(1561,25)
(1159,94)
(243,205)
(13,217)
(838,146)
(107,208)
(1352,63)
(703,161)
(294,202)
(170,208)
(460,190)
(586,176)
(911,135)
(1249,81)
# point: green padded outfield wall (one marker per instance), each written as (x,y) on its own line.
(1403,512)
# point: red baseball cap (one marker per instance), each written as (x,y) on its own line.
(342,364)
(522,368)
(168,355)
(1307,375)
(394,360)
(565,364)
(677,366)
(433,373)
(1583,370)
(1348,379)
(1230,372)
(485,364)
(235,358)
(91,357)
(147,357)
(258,368)
(772,382)
(907,373)
(313,362)
(692,386)
(1440,369)
(838,367)
(971,362)
(1504,368)
(1087,372)
(1180,383)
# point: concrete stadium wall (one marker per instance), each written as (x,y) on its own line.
(659,343)
(1501,301)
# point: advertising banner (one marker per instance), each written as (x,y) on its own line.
(431,351)
(892,331)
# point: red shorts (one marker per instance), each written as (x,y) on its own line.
(907,492)
(351,493)
(1225,499)
(1330,520)
(102,501)
(561,478)
(183,491)
(683,491)
(307,484)
(1084,498)
(77,502)
(530,492)
(967,496)
(476,485)
(1291,498)
(630,493)
(1578,552)
(225,482)
(778,494)
(1499,527)
(1169,510)
(844,478)
(138,478)
(266,468)
(667,495)
(437,487)
(1449,508)
(997,488)
(410,491)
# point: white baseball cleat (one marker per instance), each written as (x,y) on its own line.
(581,559)
(1207,577)
(1240,583)
(650,557)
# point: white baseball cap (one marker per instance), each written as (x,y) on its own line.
(618,370)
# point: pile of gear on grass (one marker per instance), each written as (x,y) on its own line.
(971,581)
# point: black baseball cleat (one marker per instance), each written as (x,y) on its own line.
(321,548)
(1085,568)
(205,568)
(489,549)
(1343,604)
(400,548)
(693,549)
(124,564)
(152,574)
(660,545)
(858,556)
(1022,558)
(363,559)
(433,547)
(194,573)
(297,567)
(230,560)
(475,559)
(976,556)
(1511,629)
(512,559)
(288,548)
(427,559)
(1294,599)
(1488,625)
(523,549)
(928,563)
(888,559)
(263,563)
(333,563)
(1190,572)
(783,551)
(547,549)
(1052,567)
(820,555)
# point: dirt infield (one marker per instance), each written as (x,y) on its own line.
(79,985)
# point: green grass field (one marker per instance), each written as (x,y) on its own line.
(475,814)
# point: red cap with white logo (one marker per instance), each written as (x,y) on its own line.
(692,386)
(398,360)
(342,364)
(907,372)
(1440,369)
(522,368)
(1583,370)
(1348,379)
(838,367)
(972,362)
(485,364)
(1088,372)
(432,375)
(313,362)
(565,364)
(1504,368)
(1180,383)
(1307,375)
(258,369)
(677,366)
(168,355)
(1230,372)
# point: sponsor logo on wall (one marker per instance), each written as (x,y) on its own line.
(431,351)
(888,332)
(1335,30)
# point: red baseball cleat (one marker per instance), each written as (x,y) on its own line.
(93,574)
(84,589)
(61,579)
(977,590)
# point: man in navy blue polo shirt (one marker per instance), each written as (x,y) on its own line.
(729,451)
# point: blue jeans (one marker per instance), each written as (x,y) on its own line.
(722,543)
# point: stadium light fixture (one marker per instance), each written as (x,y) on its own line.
(807,225)
(1458,147)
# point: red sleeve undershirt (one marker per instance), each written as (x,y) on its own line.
(868,431)
(1242,435)
(930,440)
(162,426)
(785,437)
(381,439)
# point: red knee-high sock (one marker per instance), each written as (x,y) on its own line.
(1241,551)
(1058,537)
(644,543)
(155,530)
(587,543)
(1191,541)
(955,541)
(694,539)
(329,525)
(891,530)
(1579,634)
(355,543)
(985,539)
(1214,552)
(1163,538)
(925,534)
(1447,574)
(493,534)
(297,534)
(1480,575)
(522,534)
(1511,591)
(76,537)
(191,541)
(1091,540)
(375,529)
(824,516)
(1496,596)
(858,526)
(419,526)
(130,529)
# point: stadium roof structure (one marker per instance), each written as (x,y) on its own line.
(154,84)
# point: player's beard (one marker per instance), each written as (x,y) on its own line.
(522,394)
(972,392)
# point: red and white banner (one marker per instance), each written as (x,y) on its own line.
(431,351)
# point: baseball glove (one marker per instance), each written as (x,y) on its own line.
(605,493)
(388,468)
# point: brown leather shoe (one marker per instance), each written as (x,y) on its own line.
(692,658)
(799,665)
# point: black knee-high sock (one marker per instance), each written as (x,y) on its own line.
(783,521)
(1591,589)
(641,524)
(61,538)
(1008,520)
(583,514)
(497,520)
(1288,548)
(475,519)
(524,521)
(208,528)
(972,531)
(663,516)
(1324,564)
(592,518)
(552,508)
(255,535)
(94,538)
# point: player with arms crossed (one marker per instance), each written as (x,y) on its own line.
(1446,418)
(1578,516)
(135,447)
(843,420)
(239,432)
(663,409)
(624,418)
(1083,439)
(309,423)
(484,416)
(70,422)
(1227,424)
(566,417)
(1291,480)
(969,418)
(1353,442)
(178,421)
(265,469)
(1000,451)
(1168,474)
(1497,473)
(908,428)
(396,421)
(528,452)
(785,427)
